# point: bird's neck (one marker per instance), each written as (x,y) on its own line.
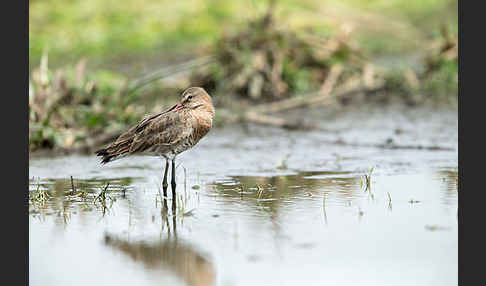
(206,111)
(203,113)
(207,108)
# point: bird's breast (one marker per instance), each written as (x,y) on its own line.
(201,125)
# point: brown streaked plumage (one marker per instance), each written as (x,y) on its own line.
(168,133)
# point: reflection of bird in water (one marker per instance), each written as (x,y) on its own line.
(166,134)
(171,254)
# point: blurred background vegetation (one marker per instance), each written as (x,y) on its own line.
(98,66)
(111,31)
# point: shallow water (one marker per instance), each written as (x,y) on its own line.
(260,206)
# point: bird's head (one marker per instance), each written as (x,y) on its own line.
(196,98)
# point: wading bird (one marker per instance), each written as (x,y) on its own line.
(166,134)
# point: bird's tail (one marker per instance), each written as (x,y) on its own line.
(115,151)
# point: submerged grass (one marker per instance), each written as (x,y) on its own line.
(60,201)
(101,197)
(39,196)
(389,201)
(260,191)
(365,180)
(324,207)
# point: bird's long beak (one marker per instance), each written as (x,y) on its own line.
(179,106)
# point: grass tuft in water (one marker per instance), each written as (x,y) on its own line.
(412,201)
(102,199)
(260,191)
(366,180)
(324,207)
(39,196)
(389,201)
(102,196)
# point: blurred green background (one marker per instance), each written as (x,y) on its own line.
(113,33)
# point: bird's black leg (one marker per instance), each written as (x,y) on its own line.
(164,182)
(173,181)
(174,221)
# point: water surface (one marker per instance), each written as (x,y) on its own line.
(260,206)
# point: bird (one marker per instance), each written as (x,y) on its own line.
(166,134)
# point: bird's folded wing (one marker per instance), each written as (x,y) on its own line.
(129,134)
(165,130)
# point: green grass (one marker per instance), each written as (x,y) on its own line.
(97,30)
(109,30)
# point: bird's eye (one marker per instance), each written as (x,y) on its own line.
(189,97)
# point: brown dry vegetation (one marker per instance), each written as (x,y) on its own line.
(252,74)
(264,62)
